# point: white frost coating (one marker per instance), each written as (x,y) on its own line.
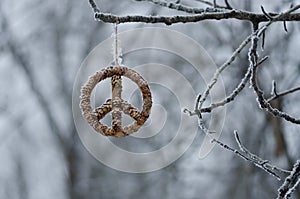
(291,190)
(250,85)
(259,105)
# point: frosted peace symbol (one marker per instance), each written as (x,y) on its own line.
(116,105)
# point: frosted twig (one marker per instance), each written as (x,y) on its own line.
(274,88)
(234,93)
(180,7)
(277,95)
(214,79)
(253,57)
(254,36)
(243,153)
(94,6)
(256,33)
(248,156)
(290,183)
(255,158)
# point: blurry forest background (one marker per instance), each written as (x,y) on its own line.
(42,45)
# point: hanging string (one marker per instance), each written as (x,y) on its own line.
(116,44)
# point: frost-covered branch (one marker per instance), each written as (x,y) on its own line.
(94,6)
(243,152)
(198,15)
(276,95)
(290,183)
(264,103)
(248,156)
(234,93)
(169,20)
(180,7)
(256,33)
(253,58)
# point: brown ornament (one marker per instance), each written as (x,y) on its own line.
(116,105)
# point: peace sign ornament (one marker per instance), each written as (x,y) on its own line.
(116,105)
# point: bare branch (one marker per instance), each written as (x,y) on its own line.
(290,183)
(219,70)
(232,14)
(180,7)
(284,26)
(277,95)
(228,5)
(255,158)
(263,40)
(266,14)
(94,6)
(253,57)
(274,88)
(264,104)
(248,156)
(215,3)
(210,4)
(234,93)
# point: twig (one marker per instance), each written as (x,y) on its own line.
(274,88)
(264,104)
(257,31)
(94,6)
(284,26)
(211,4)
(277,95)
(266,14)
(255,158)
(180,7)
(219,71)
(290,183)
(263,40)
(234,93)
(228,5)
(254,36)
(248,156)
(215,3)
